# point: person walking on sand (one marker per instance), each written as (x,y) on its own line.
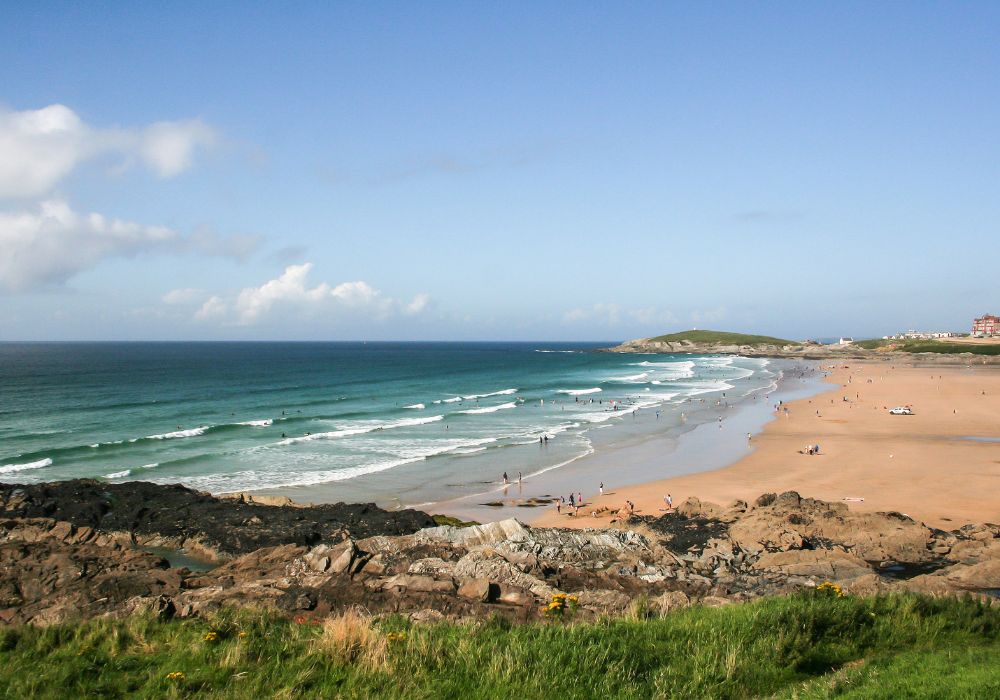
(505,481)
(669,500)
(559,506)
(519,477)
(600,489)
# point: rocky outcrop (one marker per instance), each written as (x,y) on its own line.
(645,345)
(214,528)
(708,554)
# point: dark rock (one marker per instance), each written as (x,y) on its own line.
(223,527)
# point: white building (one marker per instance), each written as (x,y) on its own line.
(919,335)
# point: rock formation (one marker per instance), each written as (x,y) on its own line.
(61,559)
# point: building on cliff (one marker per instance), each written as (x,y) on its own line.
(986,326)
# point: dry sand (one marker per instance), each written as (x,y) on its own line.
(920,465)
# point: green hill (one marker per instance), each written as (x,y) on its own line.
(723,337)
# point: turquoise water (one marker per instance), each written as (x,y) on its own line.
(374,419)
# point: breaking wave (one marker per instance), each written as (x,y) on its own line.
(8,468)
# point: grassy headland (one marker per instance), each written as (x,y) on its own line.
(814,645)
(937,346)
(723,338)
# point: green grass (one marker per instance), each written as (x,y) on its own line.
(723,337)
(804,646)
(939,346)
(454,522)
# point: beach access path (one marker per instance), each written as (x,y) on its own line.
(940,465)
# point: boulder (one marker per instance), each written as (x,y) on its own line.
(479,589)
(419,584)
(482,564)
(827,564)
(671,600)
(341,562)
(982,576)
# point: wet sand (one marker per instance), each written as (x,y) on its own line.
(940,465)
(621,456)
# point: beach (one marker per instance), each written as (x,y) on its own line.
(940,465)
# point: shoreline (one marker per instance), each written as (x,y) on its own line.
(940,466)
(630,460)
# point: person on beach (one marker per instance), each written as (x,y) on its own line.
(579,498)
(668,500)
(572,500)
(600,489)
(505,481)
(519,477)
(559,506)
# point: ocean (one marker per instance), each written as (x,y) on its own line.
(385,422)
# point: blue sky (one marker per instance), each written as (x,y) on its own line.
(504,171)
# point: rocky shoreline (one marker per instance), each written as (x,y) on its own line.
(75,549)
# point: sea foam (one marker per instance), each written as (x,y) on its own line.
(360,430)
(502,392)
(8,468)
(491,409)
(578,392)
(190,432)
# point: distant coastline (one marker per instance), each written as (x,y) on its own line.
(725,343)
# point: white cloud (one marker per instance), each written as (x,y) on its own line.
(290,291)
(47,245)
(41,147)
(183,296)
(418,304)
(213,308)
(169,147)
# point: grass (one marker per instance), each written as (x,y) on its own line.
(804,646)
(939,346)
(454,522)
(723,337)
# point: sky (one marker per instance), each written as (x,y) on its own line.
(496,171)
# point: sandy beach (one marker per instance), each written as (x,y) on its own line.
(940,465)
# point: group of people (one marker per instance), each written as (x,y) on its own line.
(575,502)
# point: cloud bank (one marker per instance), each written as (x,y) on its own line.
(290,293)
(43,241)
(45,246)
